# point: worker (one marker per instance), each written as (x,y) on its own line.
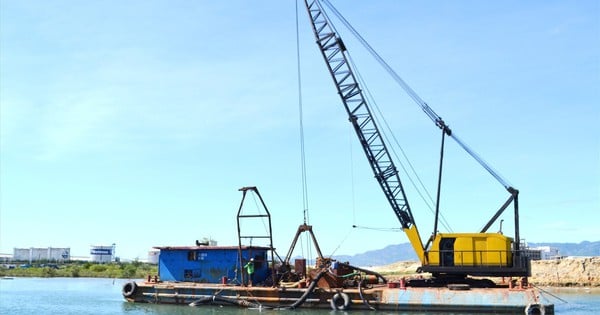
(250,270)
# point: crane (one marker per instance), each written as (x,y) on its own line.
(445,254)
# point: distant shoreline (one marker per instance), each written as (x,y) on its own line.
(81,270)
(567,273)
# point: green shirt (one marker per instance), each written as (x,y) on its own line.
(249,267)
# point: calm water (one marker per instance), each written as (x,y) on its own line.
(31,296)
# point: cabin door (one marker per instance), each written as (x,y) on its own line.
(447,252)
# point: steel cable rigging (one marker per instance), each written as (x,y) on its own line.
(305,213)
(428,110)
(379,117)
(418,183)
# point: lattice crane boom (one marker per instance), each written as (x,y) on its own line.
(363,122)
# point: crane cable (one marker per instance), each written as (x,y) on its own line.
(364,86)
(301,123)
(302,151)
(258,211)
(380,117)
(428,110)
(429,203)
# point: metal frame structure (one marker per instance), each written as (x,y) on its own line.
(241,216)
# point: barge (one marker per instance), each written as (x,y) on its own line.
(220,275)
(358,292)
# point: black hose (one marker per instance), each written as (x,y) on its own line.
(215,298)
(308,291)
(248,304)
(365,302)
(370,272)
(203,300)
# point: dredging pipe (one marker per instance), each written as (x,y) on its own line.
(249,304)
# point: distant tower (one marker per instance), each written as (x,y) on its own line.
(153,257)
(102,253)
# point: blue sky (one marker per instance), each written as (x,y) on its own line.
(136,122)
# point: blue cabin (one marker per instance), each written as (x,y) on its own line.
(210,264)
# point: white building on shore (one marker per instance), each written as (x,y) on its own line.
(102,253)
(153,256)
(42,254)
(547,252)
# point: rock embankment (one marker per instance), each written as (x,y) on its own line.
(570,271)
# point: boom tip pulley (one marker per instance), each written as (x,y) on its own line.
(442,125)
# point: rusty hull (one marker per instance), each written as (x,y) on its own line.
(380,297)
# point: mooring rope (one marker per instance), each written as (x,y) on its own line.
(553,295)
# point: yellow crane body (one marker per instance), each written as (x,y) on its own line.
(471,249)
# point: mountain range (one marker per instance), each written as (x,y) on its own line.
(393,253)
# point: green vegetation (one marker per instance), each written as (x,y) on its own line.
(133,270)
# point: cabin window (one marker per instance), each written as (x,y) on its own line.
(192,255)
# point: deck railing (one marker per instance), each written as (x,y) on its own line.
(491,258)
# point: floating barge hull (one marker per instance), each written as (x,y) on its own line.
(379,297)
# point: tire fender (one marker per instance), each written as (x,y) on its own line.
(535,309)
(129,289)
(340,301)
